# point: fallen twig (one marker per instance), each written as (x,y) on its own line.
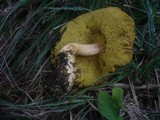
(127,86)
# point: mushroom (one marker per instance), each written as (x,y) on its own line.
(84,37)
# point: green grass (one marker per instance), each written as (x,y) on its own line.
(28,32)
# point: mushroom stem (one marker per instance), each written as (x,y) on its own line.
(83,49)
(66,63)
(66,71)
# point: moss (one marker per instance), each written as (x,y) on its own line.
(109,26)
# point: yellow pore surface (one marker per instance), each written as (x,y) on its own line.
(108,26)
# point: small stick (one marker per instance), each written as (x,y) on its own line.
(122,85)
(93,106)
(157,78)
(133,92)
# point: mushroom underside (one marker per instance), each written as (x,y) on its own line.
(110,27)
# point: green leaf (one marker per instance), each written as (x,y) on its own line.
(117,94)
(108,107)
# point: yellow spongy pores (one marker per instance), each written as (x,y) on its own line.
(109,26)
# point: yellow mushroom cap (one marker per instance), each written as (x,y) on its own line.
(110,27)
